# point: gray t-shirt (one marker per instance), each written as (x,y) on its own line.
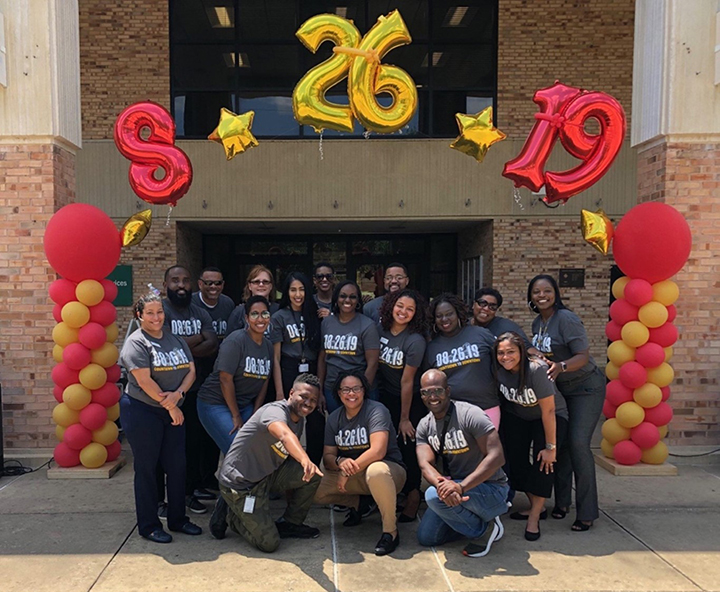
(186,322)
(322,304)
(396,352)
(248,362)
(537,386)
(288,328)
(237,318)
(168,359)
(372,308)
(563,337)
(462,453)
(466,360)
(352,436)
(220,313)
(345,344)
(255,453)
(500,325)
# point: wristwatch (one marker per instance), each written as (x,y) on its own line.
(549,446)
(563,365)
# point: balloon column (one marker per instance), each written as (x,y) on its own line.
(83,246)
(651,244)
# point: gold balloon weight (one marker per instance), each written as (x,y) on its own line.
(597,229)
(135,228)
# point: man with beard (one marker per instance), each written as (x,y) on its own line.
(257,465)
(194,325)
(395,279)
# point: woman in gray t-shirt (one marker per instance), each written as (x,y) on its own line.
(534,417)
(160,370)
(560,337)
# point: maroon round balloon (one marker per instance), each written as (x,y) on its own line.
(617,393)
(81,242)
(66,456)
(621,311)
(62,291)
(63,376)
(76,356)
(632,375)
(92,335)
(111,290)
(77,436)
(58,393)
(652,242)
(645,435)
(650,355)
(659,415)
(107,395)
(613,331)
(93,416)
(665,393)
(638,292)
(627,452)
(664,335)
(609,409)
(103,313)
(114,450)
(113,373)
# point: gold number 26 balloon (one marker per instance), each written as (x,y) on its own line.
(358,60)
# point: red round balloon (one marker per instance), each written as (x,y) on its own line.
(57,313)
(81,242)
(111,290)
(77,436)
(638,292)
(93,416)
(652,242)
(107,395)
(633,375)
(659,415)
(92,335)
(76,356)
(627,452)
(113,373)
(114,450)
(665,393)
(65,456)
(64,376)
(672,313)
(609,409)
(650,355)
(645,435)
(622,312)
(665,335)
(58,393)
(617,393)
(103,313)
(62,291)
(613,331)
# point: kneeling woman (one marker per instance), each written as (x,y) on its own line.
(534,414)
(237,386)
(361,457)
(160,371)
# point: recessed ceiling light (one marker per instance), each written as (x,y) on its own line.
(341,11)
(438,59)
(221,17)
(241,61)
(459,16)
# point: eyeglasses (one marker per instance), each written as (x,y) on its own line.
(432,392)
(324,276)
(346,390)
(486,304)
(254,315)
(260,282)
(212,282)
(344,296)
(397,278)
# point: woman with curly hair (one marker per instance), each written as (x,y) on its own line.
(403,324)
(463,353)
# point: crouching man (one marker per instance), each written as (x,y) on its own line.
(257,465)
(460,455)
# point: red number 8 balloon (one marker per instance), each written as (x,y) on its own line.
(565,110)
(157,152)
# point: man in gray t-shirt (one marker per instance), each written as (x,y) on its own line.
(210,297)
(257,465)
(395,279)
(460,455)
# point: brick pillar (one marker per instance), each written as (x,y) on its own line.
(35,181)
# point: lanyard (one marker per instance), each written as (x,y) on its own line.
(446,425)
(299,323)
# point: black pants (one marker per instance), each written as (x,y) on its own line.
(201,452)
(409,456)
(315,422)
(154,441)
(524,470)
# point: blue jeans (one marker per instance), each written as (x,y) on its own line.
(442,523)
(333,402)
(217,421)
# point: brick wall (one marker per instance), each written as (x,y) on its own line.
(583,43)
(687,177)
(124,58)
(35,181)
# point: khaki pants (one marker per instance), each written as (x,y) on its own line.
(383,480)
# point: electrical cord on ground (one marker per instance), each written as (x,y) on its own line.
(695,455)
(13,468)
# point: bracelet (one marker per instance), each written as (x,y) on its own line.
(462,489)
(337,460)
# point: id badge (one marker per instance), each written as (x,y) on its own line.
(249,506)
(304,367)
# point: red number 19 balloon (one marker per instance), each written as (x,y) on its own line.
(564,111)
(157,152)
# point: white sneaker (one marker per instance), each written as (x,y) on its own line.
(474,550)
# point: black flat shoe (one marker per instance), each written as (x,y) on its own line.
(580,526)
(353,518)
(519,516)
(404,518)
(189,528)
(558,513)
(387,544)
(159,536)
(532,536)
(218,519)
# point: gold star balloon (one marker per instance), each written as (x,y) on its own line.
(135,228)
(477,134)
(233,132)
(597,229)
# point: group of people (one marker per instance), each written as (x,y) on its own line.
(386,392)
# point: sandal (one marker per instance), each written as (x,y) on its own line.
(580,526)
(558,513)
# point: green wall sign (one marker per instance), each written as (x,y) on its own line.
(122,276)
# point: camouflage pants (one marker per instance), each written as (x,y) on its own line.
(259,528)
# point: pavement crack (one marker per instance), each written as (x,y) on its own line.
(102,571)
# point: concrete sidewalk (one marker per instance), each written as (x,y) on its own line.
(654,534)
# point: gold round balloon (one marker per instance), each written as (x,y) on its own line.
(597,229)
(135,228)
